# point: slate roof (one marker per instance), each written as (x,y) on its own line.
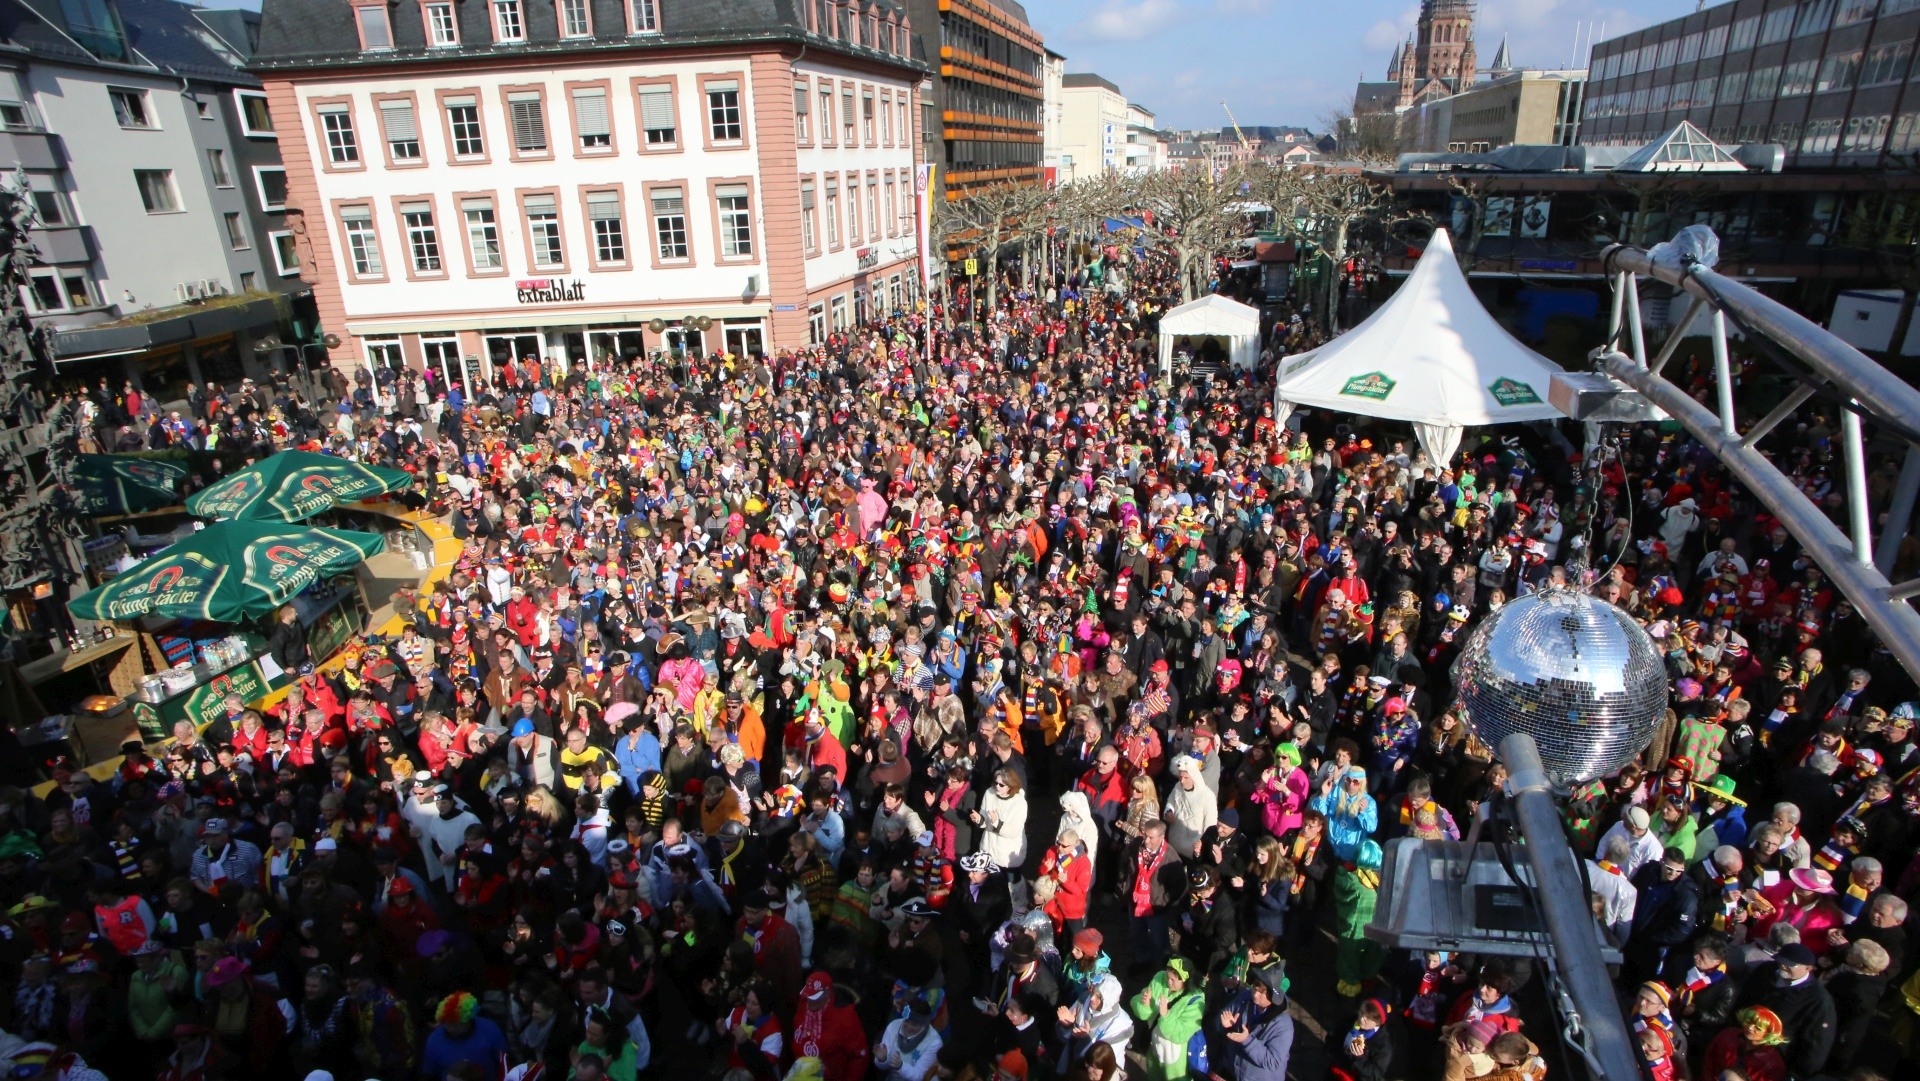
(163,38)
(321,33)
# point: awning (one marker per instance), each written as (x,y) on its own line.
(229,572)
(293,485)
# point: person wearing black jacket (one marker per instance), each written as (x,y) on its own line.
(288,642)
(1806,1011)
(1209,928)
(979,905)
(1704,992)
(1664,915)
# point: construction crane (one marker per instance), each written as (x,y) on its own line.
(1246,144)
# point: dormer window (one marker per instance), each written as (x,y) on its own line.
(574,22)
(646,16)
(376,33)
(443,32)
(508,26)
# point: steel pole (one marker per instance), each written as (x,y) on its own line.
(1898,625)
(1899,512)
(1564,907)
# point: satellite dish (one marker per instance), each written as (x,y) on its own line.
(331,341)
(657,325)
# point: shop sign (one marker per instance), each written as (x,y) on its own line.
(1373,385)
(549,290)
(1512,392)
(208,702)
(868,258)
(786,307)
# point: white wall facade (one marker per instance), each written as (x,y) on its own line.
(887,232)
(144,254)
(1093,131)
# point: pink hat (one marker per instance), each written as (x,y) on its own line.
(225,971)
(1812,879)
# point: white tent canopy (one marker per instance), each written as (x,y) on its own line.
(1213,316)
(1431,356)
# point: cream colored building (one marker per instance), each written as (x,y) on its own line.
(1093,127)
(1053,71)
(1534,108)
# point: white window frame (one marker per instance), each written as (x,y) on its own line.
(142,101)
(260,188)
(453,132)
(671,223)
(422,232)
(643,16)
(442,35)
(274,240)
(736,239)
(367,252)
(483,235)
(341,137)
(508,15)
(543,232)
(717,112)
(388,109)
(240,103)
(173,189)
(602,237)
(58,276)
(567,10)
(360,13)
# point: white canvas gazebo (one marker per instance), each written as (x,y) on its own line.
(1431,357)
(1213,316)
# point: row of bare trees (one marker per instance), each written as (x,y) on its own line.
(1193,215)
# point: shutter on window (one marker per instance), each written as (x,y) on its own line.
(731,191)
(806,196)
(603,206)
(540,204)
(669,201)
(529,125)
(800,101)
(722,87)
(656,108)
(590,112)
(397,118)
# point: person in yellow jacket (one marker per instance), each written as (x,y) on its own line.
(579,759)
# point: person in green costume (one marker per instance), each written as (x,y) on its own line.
(1180,1008)
(1356,889)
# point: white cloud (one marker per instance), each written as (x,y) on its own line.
(1387,33)
(1541,32)
(1120,20)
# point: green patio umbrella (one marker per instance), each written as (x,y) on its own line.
(123,484)
(229,572)
(292,485)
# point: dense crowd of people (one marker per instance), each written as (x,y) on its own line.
(967,704)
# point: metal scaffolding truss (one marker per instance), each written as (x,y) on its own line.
(1864,393)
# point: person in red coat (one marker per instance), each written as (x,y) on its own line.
(1070,868)
(776,945)
(827,1028)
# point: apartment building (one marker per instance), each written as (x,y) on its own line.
(475,183)
(987,95)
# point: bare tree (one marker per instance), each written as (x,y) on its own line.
(1372,138)
(1194,217)
(1337,202)
(988,222)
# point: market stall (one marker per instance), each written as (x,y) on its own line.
(1431,356)
(1233,327)
(202,605)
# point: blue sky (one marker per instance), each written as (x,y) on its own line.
(1293,61)
(1285,61)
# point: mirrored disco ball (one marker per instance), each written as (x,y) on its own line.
(1574,672)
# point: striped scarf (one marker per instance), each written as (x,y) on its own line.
(1852,902)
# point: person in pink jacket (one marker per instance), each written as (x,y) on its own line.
(1804,898)
(680,672)
(1283,791)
